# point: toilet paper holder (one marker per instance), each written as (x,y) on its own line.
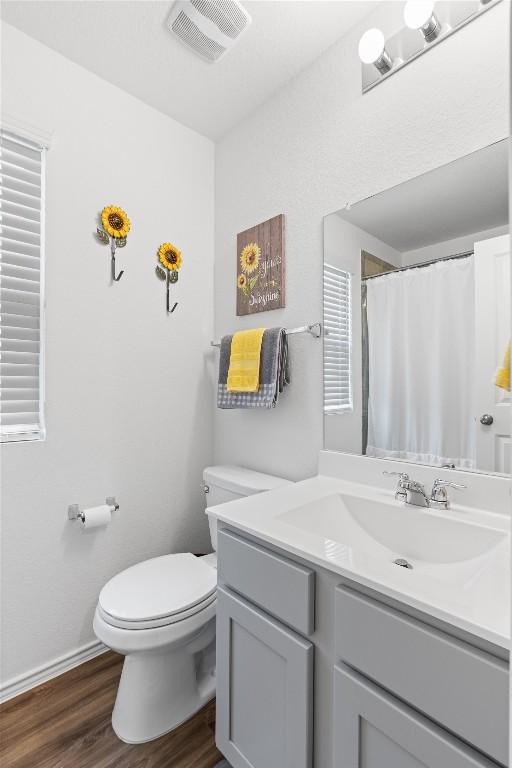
(75,512)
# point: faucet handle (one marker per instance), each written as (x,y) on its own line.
(439,495)
(440,483)
(403,477)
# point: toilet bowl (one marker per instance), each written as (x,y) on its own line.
(160,614)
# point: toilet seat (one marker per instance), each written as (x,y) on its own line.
(157,592)
(163,621)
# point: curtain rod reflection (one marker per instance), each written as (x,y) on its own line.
(419,266)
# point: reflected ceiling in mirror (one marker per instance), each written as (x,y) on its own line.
(417,319)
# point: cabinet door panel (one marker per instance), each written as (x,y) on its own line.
(264,689)
(374,730)
(377,749)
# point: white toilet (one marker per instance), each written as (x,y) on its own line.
(160,614)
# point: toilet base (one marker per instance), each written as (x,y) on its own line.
(159,691)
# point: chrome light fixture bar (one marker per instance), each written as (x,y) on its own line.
(427,23)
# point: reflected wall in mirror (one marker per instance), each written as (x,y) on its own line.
(417,319)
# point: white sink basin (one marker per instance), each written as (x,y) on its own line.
(355,528)
(392,529)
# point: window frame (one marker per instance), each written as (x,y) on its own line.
(348,405)
(34,140)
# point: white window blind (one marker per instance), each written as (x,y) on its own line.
(337,340)
(21,280)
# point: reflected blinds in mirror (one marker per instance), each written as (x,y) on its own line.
(337,340)
(21,189)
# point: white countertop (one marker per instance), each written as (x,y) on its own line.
(473,595)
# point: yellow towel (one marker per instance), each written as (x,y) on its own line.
(244,361)
(502,379)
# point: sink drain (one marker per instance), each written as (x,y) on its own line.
(402,563)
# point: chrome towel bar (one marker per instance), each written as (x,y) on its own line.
(315,330)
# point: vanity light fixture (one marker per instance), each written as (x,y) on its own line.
(419,14)
(427,23)
(372,50)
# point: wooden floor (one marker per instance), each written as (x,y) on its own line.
(66,724)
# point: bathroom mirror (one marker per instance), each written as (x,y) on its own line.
(417,319)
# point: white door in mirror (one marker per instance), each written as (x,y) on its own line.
(492,333)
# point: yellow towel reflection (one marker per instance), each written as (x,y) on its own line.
(502,379)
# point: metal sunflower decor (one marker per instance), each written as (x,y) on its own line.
(116,225)
(171,260)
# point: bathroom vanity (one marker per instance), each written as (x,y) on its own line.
(331,654)
(363,620)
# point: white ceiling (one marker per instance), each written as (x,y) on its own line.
(126,42)
(466,196)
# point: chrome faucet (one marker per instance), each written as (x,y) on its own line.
(409,491)
(416,494)
(412,492)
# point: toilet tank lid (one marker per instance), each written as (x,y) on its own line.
(241,480)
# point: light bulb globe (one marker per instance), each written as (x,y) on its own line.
(418,13)
(371,46)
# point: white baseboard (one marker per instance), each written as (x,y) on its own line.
(45,672)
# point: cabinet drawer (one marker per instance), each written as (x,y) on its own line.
(277,585)
(374,730)
(462,688)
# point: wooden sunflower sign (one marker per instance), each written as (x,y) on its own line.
(115,227)
(260,267)
(170,260)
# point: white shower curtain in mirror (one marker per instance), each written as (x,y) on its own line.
(421,364)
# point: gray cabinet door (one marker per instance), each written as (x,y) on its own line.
(264,689)
(374,730)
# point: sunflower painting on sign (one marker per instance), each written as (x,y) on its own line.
(260,268)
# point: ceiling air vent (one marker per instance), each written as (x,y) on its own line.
(208,27)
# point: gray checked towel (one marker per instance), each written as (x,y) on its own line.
(274,373)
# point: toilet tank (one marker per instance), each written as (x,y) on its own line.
(229,482)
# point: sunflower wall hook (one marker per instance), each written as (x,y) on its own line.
(116,226)
(170,258)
